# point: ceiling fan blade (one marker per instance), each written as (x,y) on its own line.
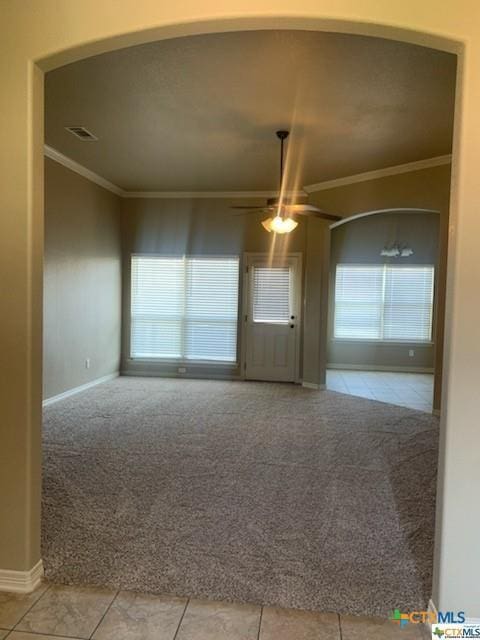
(324,216)
(302,208)
(249,211)
(310,210)
(247,206)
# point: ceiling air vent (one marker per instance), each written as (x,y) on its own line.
(81,133)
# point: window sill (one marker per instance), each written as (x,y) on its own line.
(185,363)
(384,343)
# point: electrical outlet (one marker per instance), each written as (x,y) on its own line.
(182,370)
(411,353)
(87,363)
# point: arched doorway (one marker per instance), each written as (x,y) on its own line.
(432,241)
(128,30)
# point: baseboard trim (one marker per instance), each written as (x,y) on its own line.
(313,385)
(372,367)
(82,387)
(432,609)
(21,581)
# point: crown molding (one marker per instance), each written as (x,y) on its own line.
(367,214)
(55,155)
(379,173)
(67,162)
(209,194)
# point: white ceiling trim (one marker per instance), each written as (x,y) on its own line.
(55,155)
(64,160)
(379,173)
(367,214)
(208,194)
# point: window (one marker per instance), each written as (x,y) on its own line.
(184,308)
(271,294)
(384,302)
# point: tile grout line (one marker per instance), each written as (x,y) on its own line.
(28,610)
(181,618)
(340,626)
(36,633)
(260,623)
(106,611)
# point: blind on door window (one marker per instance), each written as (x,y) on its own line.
(184,308)
(271,294)
(384,302)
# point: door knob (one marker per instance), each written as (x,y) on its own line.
(292,317)
(292,326)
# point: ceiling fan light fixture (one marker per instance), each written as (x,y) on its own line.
(279,224)
(283,209)
(267,224)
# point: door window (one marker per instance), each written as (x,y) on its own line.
(271,294)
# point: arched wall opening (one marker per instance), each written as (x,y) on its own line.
(359,240)
(22,264)
(240,24)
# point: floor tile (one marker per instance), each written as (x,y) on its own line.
(361,392)
(13,606)
(3,633)
(340,388)
(425,633)
(411,396)
(336,383)
(288,624)
(382,387)
(24,635)
(206,620)
(421,407)
(403,389)
(68,611)
(390,398)
(425,395)
(360,628)
(134,616)
(356,386)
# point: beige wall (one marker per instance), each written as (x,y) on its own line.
(82,281)
(53,33)
(208,226)
(360,242)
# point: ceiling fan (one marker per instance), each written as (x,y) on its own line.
(282,210)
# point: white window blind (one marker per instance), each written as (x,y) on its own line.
(184,308)
(271,294)
(384,302)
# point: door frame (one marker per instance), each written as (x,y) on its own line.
(248,259)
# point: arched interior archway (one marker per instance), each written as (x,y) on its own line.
(421,230)
(207,28)
(23,389)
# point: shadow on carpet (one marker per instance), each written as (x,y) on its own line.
(241,491)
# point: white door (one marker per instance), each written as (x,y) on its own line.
(272,318)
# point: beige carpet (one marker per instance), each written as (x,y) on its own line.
(251,492)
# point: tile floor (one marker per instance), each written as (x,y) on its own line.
(55,611)
(413,390)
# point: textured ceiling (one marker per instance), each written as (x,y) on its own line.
(199,113)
